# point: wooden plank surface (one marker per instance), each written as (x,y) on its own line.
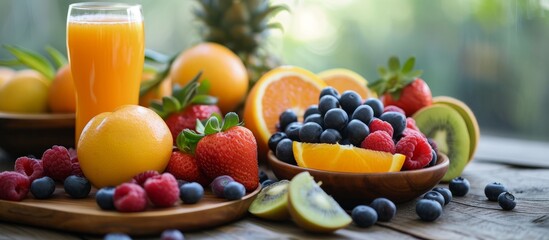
(469,217)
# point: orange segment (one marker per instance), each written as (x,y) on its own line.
(345,158)
(282,88)
(344,79)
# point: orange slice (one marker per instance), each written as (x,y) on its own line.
(344,79)
(345,158)
(282,88)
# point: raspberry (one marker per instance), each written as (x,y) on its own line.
(130,197)
(183,166)
(30,167)
(163,190)
(379,141)
(14,186)
(141,178)
(416,149)
(393,108)
(379,125)
(57,163)
(411,124)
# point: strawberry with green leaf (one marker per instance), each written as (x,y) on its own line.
(223,147)
(402,87)
(186,105)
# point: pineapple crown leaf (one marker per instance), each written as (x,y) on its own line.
(395,77)
(30,59)
(188,139)
(183,97)
(59,60)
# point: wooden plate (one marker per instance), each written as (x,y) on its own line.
(84,216)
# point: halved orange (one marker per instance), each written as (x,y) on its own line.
(286,87)
(345,158)
(344,79)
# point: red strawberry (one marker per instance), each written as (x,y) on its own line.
(186,105)
(402,87)
(225,149)
(184,166)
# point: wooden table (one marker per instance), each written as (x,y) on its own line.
(469,217)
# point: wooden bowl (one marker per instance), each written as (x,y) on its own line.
(351,189)
(24,134)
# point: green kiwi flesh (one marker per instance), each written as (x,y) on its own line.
(272,202)
(312,209)
(448,129)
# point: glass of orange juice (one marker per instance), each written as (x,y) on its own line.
(106,47)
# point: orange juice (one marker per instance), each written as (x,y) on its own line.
(106,55)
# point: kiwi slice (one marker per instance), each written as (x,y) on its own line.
(468,116)
(448,129)
(312,209)
(272,202)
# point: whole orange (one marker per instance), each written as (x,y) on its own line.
(5,75)
(62,96)
(25,92)
(116,146)
(220,66)
(156,93)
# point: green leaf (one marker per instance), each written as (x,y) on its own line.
(409,65)
(148,85)
(212,126)
(275,25)
(199,127)
(192,136)
(231,120)
(394,64)
(379,86)
(32,60)
(149,69)
(170,104)
(10,63)
(204,87)
(156,106)
(154,56)
(204,100)
(58,58)
(218,116)
(382,71)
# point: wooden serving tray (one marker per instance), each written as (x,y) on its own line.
(84,215)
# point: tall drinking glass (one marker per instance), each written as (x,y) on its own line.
(106,47)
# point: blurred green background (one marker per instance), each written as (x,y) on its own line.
(492,54)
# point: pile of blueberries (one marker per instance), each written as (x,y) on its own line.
(337,118)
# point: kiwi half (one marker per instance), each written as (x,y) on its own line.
(272,202)
(468,116)
(312,209)
(448,129)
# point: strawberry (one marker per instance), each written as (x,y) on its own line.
(186,106)
(402,87)
(183,166)
(224,149)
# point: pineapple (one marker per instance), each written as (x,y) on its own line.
(242,26)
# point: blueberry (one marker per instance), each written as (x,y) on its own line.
(105,198)
(433,161)
(191,192)
(284,151)
(267,183)
(435,196)
(326,103)
(459,186)
(397,121)
(218,185)
(329,91)
(356,131)
(275,139)
(345,141)
(117,236)
(364,113)
(506,201)
(364,216)
(336,118)
(286,118)
(77,187)
(42,188)
(493,190)
(316,118)
(311,110)
(292,131)
(310,132)
(385,209)
(234,191)
(180,182)
(376,105)
(428,210)
(330,136)
(446,193)
(349,101)
(262,175)
(172,234)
